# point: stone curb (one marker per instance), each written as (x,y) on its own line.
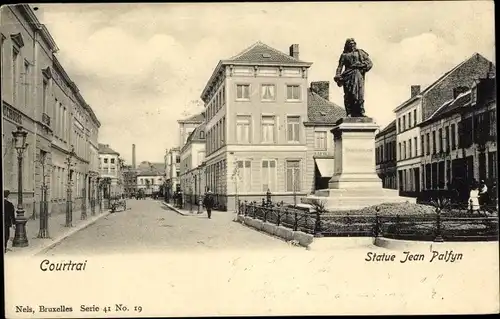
(71,232)
(174,209)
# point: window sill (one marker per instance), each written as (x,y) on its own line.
(242,100)
(293,101)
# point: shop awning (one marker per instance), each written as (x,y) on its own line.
(325,166)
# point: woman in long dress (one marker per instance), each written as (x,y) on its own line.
(474,199)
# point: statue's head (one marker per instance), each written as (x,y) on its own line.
(350,45)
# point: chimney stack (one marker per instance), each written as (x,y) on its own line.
(415,90)
(133,156)
(322,88)
(294,51)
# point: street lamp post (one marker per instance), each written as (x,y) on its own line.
(44,208)
(93,193)
(20,238)
(83,214)
(69,207)
(199,192)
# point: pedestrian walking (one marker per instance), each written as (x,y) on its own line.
(9,217)
(208,202)
(484,196)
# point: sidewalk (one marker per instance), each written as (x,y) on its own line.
(57,231)
(194,213)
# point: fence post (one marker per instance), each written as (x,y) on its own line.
(397,225)
(266,210)
(254,208)
(295,221)
(377,221)
(278,219)
(317,225)
(438,238)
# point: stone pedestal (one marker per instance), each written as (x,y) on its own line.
(355,183)
(354,140)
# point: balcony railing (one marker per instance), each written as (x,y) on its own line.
(45,119)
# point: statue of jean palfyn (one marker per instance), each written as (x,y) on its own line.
(353,65)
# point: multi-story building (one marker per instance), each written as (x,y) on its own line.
(110,167)
(39,96)
(172,171)
(192,156)
(321,118)
(385,156)
(256,103)
(129,180)
(187,126)
(419,107)
(150,177)
(463,145)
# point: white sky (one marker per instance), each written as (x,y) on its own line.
(141,67)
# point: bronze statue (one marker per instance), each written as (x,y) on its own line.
(355,63)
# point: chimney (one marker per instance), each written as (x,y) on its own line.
(459,90)
(294,51)
(133,156)
(415,90)
(322,88)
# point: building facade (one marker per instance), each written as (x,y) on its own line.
(192,157)
(385,156)
(39,97)
(419,107)
(256,103)
(150,178)
(129,180)
(321,118)
(111,168)
(462,146)
(172,171)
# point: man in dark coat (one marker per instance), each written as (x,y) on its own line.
(208,202)
(9,217)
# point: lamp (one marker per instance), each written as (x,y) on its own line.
(20,238)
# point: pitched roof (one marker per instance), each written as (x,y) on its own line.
(322,111)
(105,149)
(461,101)
(197,118)
(439,80)
(151,169)
(262,53)
(195,135)
(390,127)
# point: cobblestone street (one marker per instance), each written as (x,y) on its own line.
(149,225)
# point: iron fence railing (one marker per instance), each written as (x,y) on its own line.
(450,223)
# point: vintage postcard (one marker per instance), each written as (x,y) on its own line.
(249,158)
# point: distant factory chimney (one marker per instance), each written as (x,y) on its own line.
(133,156)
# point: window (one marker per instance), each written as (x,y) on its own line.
(416,145)
(399,125)
(410,149)
(105,161)
(399,151)
(15,74)
(293,92)
(434,148)
(492,165)
(440,135)
(404,150)
(268,92)
(177,159)
(414,117)
(243,129)
(26,85)
(244,176)
(447,139)
(428,144)
(292,126)
(409,120)
(112,161)
(269,175)
(293,176)
(177,173)
(453,137)
(242,92)
(267,129)
(320,140)
(202,134)
(404,122)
